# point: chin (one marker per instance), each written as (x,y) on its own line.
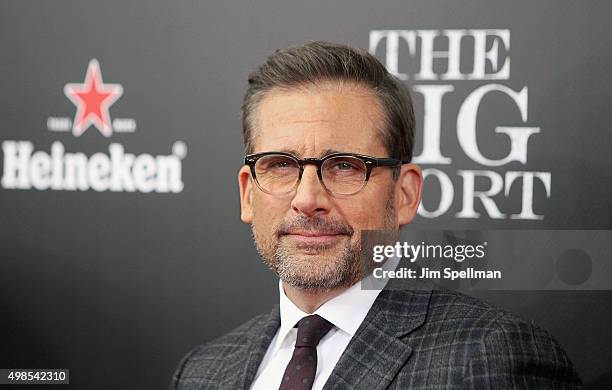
(315,273)
(314,284)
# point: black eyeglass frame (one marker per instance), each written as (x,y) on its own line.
(370,163)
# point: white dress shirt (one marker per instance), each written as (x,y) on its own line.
(346,311)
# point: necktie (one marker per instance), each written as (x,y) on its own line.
(301,370)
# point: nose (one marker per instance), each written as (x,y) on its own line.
(310,196)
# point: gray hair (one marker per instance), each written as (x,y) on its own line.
(318,62)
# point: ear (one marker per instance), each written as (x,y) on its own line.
(408,193)
(246,194)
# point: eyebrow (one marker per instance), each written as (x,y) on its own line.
(321,155)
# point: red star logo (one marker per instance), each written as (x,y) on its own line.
(92,99)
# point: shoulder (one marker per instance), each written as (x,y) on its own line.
(442,308)
(231,341)
(463,342)
(486,324)
(448,306)
(501,349)
(205,362)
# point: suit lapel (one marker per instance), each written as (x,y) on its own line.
(243,364)
(376,353)
(373,357)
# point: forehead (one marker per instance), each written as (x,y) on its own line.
(310,120)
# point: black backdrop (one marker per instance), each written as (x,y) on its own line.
(118,285)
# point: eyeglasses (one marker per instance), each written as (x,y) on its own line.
(278,173)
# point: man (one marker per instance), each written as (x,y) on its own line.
(329,135)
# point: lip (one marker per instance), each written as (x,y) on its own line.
(313,237)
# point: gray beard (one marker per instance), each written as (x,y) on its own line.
(298,272)
(305,272)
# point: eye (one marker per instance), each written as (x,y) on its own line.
(276,164)
(280,164)
(343,166)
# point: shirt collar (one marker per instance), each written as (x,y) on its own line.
(346,310)
(290,314)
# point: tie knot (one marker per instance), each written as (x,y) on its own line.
(311,330)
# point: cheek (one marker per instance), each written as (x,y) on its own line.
(267,212)
(365,215)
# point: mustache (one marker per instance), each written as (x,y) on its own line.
(315,225)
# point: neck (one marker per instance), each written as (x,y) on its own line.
(309,301)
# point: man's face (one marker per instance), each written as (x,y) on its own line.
(310,237)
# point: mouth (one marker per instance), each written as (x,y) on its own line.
(313,237)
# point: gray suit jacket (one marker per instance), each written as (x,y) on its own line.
(436,339)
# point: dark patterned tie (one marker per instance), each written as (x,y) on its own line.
(301,370)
